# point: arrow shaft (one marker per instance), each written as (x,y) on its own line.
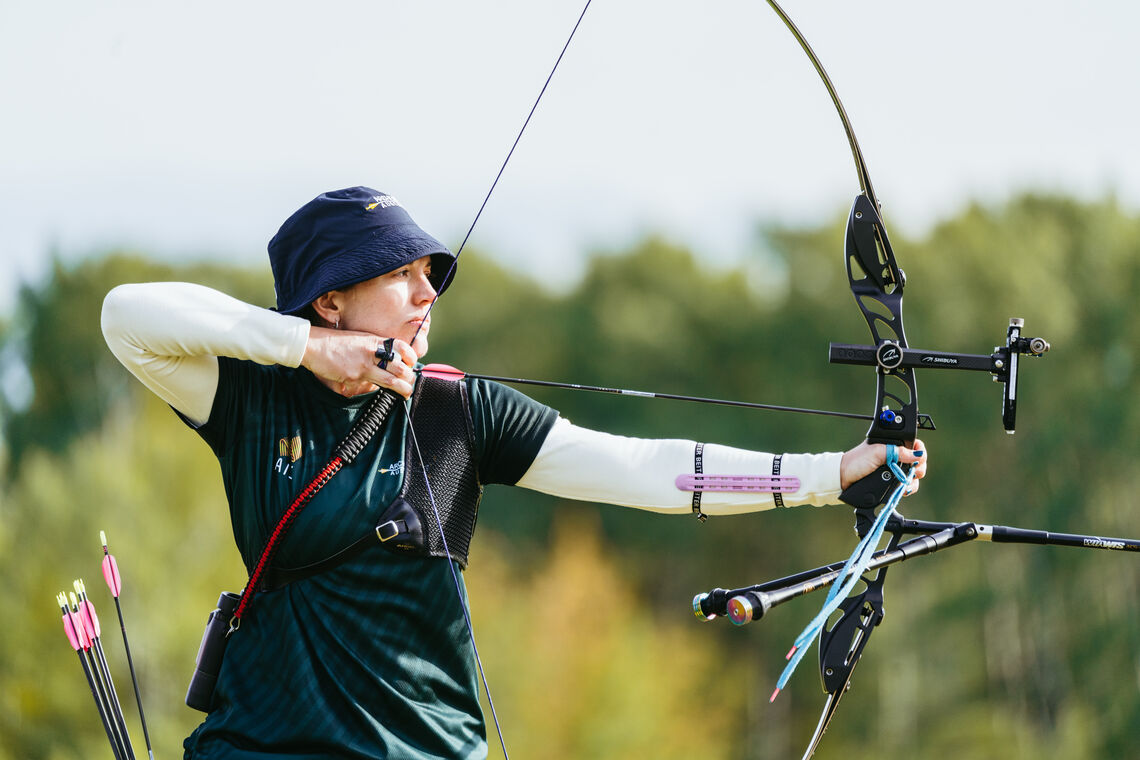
(134,678)
(652,394)
(104,670)
(112,735)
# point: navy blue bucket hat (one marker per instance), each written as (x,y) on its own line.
(344,237)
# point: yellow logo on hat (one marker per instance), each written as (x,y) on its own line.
(383,201)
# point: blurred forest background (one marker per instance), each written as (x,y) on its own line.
(582,611)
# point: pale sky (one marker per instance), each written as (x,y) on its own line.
(195,129)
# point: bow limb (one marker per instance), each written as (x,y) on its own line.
(856,153)
(877,284)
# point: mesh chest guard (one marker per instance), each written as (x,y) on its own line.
(441,419)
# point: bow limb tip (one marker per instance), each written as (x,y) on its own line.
(775,694)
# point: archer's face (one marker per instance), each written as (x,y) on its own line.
(393,305)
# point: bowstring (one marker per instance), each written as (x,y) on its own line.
(503,167)
(455,579)
(411,432)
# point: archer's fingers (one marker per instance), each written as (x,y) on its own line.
(394,375)
(916,455)
(397,377)
(404,352)
(398,361)
(393,382)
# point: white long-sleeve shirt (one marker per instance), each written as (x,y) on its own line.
(170,334)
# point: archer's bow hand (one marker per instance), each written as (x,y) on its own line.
(865,458)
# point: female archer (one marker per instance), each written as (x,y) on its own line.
(352,653)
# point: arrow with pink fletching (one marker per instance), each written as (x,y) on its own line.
(81,624)
(90,622)
(115,583)
(80,641)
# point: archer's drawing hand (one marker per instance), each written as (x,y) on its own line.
(346,361)
(865,458)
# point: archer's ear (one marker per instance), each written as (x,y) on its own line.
(330,307)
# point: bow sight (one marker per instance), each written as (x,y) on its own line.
(889,356)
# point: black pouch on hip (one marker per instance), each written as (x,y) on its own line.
(209,661)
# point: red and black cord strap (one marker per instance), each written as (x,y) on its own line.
(274,540)
(363,431)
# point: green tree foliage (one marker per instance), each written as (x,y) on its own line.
(55,333)
(582,611)
(573,650)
